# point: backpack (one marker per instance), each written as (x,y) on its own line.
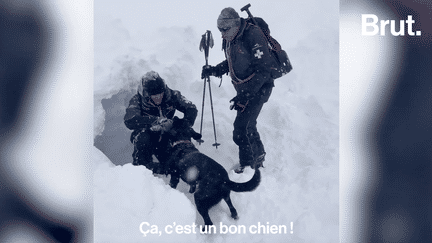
(282,64)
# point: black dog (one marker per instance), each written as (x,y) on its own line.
(199,170)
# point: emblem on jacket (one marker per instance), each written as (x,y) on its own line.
(258,54)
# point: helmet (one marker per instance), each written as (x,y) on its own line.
(151,84)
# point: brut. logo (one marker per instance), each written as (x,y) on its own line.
(370,26)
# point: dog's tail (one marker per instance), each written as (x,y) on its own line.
(248,186)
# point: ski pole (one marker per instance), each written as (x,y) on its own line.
(202,111)
(205,44)
(216,144)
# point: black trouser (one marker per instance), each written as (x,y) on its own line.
(245,133)
(147,143)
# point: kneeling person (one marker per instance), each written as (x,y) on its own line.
(149,115)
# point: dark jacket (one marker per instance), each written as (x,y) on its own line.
(248,60)
(142,112)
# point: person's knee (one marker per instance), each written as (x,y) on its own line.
(254,135)
(142,141)
(143,149)
(142,138)
(239,135)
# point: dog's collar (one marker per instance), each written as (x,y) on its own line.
(179,142)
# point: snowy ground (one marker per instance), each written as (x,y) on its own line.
(299,128)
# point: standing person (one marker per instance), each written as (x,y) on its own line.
(248,62)
(149,115)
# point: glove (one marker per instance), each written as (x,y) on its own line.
(162,124)
(167,125)
(207,71)
(239,104)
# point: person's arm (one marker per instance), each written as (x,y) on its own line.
(134,118)
(183,105)
(217,71)
(221,69)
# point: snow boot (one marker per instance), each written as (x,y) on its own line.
(259,161)
(239,168)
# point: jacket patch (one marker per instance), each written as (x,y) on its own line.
(258,54)
(256,46)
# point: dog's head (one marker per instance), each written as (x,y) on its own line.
(182,131)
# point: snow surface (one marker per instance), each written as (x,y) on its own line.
(298,126)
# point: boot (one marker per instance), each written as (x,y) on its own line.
(239,169)
(246,158)
(259,161)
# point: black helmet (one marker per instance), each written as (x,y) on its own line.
(151,84)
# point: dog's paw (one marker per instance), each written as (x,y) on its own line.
(234,216)
(173,185)
(192,188)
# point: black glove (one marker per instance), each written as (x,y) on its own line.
(207,71)
(239,104)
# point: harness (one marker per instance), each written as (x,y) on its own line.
(178,152)
(226,46)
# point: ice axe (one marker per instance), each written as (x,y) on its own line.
(246,8)
(272,42)
(205,44)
